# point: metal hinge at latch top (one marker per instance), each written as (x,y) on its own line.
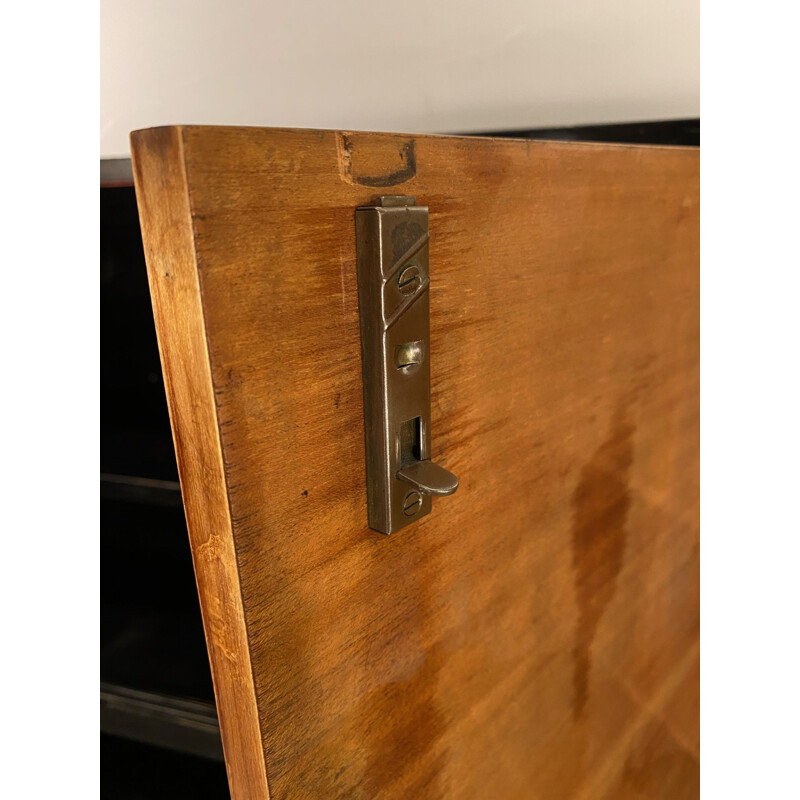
(394,306)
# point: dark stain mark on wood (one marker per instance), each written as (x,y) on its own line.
(232,379)
(406,166)
(305,492)
(600,511)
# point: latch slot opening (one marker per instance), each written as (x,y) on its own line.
(411,441)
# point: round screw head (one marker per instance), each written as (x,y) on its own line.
(409,356)
(412,503)
(409,279)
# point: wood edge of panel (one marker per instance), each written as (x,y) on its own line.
(570,144)
(162,196)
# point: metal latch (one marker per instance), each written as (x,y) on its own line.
(393,284)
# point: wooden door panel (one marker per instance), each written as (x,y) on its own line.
(535,636)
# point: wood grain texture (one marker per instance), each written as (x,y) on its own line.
(536,636)
(163,200)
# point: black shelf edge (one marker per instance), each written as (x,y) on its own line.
(140,490)
(671,132)
(174,723)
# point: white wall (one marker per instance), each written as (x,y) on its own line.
(420,66)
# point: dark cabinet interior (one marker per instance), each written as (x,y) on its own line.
(160,736)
